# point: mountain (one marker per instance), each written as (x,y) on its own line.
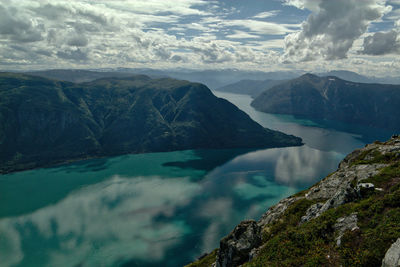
(77,76)
(211,78)
(372,105)
(349,218)
(44,121)
(348,76)
(218,77)
(355,77)
(249,87)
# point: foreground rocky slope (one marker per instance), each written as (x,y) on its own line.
(310,96)
(46,121)
(350,218)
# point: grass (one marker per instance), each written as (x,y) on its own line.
(205,261)
(286,243)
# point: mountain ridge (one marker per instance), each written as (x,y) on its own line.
(46,121)
(331,98)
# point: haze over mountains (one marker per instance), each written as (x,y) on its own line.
(212,78)
(224,80)
(249,87)
(310,96)
(46,121)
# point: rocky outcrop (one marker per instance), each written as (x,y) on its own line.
(392,256)
(276,211)
(312,212)
(349,185)
(344,224)
(235,248)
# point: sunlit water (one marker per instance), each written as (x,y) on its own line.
(159,209)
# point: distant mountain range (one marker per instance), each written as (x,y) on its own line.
(373,105)
(256,87)
(249,87)
(355,77)
(212,78)
(78,76)
(45,121)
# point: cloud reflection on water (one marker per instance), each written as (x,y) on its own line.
(101,224)
(149,219)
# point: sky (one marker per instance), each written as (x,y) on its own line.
(267,35)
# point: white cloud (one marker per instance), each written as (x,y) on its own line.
(260,27)
(242,35)
(330,31)
(186,33)
(266,14)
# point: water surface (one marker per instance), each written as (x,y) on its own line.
(158,209)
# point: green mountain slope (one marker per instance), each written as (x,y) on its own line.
(47,121)
(373,105)
(350,218)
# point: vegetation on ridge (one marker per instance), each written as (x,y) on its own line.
(289,241)
(46,121)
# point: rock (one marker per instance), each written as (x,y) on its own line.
(392,256)
(341,197)
(276,211)
(364,189)
(312,212)
(343,224)
(236,247)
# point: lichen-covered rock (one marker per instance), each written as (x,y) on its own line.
(312,212)
(236,247)
(343,196)
(392,256)
(277,210)
(343,224)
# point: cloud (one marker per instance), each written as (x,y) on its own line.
(331,29)
(78,40)
(18,27)
(242,35)
(260,27)
(73,55)
(267,14)
(185,33)
(381,43)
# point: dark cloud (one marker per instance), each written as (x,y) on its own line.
(56,11)
(176,58)
(18,28)
(76,55)
(331,29)
(381,43)
(77,40)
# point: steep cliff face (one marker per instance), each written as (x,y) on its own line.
(46,121)
(373,105)
(350,218)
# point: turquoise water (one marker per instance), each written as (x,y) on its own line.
(157,209)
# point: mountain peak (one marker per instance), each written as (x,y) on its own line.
(309,76)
